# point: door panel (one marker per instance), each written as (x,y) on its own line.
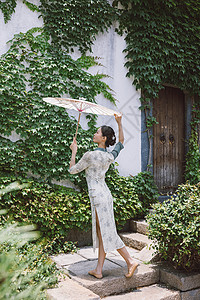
(169,134)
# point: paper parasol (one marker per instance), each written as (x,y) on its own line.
(81,106)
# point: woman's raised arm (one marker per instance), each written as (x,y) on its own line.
(118,119)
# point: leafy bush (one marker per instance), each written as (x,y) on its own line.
(133,195)
(125,200)
(25,270)
(55,210)
(175,226)
(146,189)
(192,168)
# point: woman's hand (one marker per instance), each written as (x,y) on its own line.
(73,146)
(118,118)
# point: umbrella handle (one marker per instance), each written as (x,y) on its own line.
(77,125)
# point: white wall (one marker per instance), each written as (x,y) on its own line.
(21,21)
(108,47)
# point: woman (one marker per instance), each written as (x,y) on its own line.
(96,163)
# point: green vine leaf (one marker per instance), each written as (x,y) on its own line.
(76,23)
(8,8)
(31,6)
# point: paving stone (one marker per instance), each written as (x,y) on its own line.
(135,240)
(191,295)
(147,254)
(154,292)
(113,274)
(118,259)
(88,253)
(132,251)
(81,268)
(70,290)
(178,279)
(139,226)
(114,256)
(67,259)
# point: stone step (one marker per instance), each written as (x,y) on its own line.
(70,290)
(113,281)
(140,226)
(135,240)
(147,255)
(188,283)
(154,292)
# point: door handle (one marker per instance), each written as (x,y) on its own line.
(171,139)
(162,138)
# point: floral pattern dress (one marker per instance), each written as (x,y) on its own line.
(96,163)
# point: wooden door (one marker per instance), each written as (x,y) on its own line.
(168,143)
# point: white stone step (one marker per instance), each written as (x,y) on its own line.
(70,290)
(147,254)
(140,226)
(152,292)
(113,281)
(135,240)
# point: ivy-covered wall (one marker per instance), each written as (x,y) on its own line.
(161,46)
(108,48)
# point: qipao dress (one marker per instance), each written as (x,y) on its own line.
(96,163)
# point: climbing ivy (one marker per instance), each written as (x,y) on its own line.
(46,68)
(162,42)
(47,130)
(162,46)
(192,173)
(8,7)
(76,23)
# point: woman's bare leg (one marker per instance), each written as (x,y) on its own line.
(101,253)
(129,260)
(124,253)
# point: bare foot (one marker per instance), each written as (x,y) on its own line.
(131,270)
(95,274)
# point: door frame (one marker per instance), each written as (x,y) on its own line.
(144,138)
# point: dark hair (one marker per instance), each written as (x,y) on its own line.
(110,135)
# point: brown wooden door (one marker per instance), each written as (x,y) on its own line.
(168,143)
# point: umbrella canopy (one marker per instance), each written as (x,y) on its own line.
(81,106)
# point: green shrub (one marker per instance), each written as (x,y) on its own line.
(25,270)
(175,226)
(146,189)
(133,195)
(55,210)
(125,200)
(192,168)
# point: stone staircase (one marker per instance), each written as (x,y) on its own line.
(143,285)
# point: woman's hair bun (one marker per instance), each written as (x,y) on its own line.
(110,135)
